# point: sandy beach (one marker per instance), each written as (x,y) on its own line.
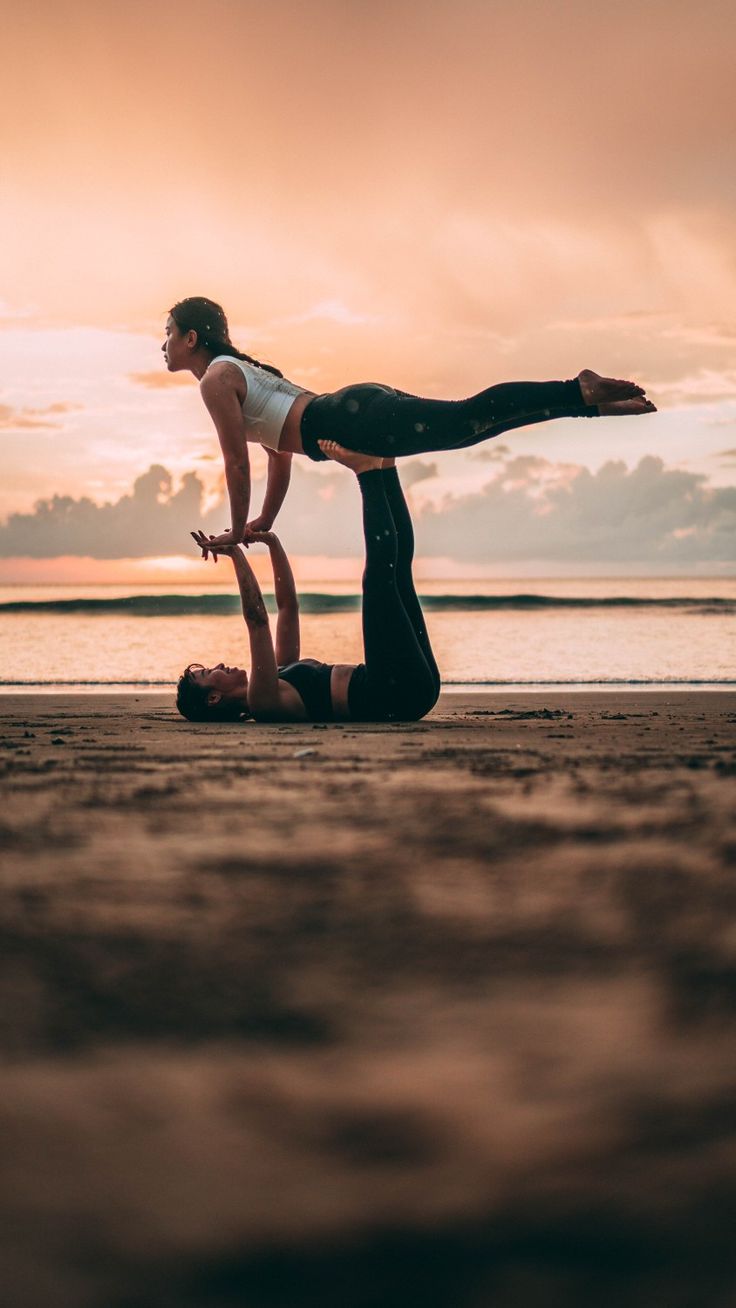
(344,1016)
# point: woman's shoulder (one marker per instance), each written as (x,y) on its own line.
(223,372)
(224,363)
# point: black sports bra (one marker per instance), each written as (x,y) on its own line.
(311,681)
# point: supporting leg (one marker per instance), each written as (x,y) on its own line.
(400,681)
(405,555)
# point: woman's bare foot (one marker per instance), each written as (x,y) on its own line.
(351,458)
(606,390)
(619,408)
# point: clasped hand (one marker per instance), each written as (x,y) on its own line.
(225,542)
(214,545)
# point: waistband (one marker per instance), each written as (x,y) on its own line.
(309,431)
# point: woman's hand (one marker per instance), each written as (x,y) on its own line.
(214,545)
(224,541)
(260,537)
(258,525)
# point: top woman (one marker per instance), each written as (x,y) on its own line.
(253,402)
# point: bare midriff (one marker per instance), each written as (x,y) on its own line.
(290,440)
(339,682)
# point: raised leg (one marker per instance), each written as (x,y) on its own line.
(379,421)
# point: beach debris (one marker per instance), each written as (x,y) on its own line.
(57,740)
(622,717)
(303,753)
(517,715)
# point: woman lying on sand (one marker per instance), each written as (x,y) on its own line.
(399,680)
(251,401)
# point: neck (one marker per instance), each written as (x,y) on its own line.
(200,362)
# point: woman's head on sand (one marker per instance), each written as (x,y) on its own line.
(197,331)
(218,694)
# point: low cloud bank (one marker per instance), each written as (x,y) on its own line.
(538,510)
(530,509)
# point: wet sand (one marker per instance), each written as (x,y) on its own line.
(343,1016)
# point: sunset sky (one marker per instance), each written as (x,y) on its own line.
(436,194)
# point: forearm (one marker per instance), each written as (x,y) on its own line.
(254,609)
(277,484)
(284,585)
(237,477)
(263,685)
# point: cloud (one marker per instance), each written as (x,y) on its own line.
(537,510)
(151,520)
(666,325)
(330,310)
(14,313)
(323,517)
(160,380)
(28,419)
(726,419)
(532,509)
(705,385)
(415,471)
(490,453)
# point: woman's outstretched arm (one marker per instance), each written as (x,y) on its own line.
(264,687)
(263,684)
(287,600)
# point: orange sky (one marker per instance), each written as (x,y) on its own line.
(440,195)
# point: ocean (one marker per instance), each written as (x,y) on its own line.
(586,634)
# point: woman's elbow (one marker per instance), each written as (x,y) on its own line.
(262,704)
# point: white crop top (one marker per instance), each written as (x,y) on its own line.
(267,401)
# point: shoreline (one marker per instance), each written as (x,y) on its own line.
(494,688)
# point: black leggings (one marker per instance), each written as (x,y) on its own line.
(399,680)
(376,419)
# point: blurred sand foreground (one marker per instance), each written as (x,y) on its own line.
(344,1016)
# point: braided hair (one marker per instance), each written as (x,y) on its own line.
(207,319)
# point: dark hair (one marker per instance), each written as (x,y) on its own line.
(207,319)
(191,701)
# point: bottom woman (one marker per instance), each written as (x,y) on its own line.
(399,680)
